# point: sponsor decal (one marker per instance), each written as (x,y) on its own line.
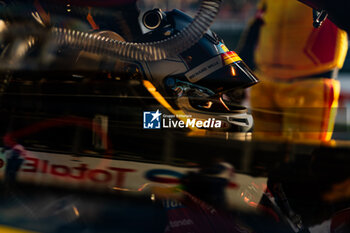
(81,171)
(212,65)
(157,175)
(204,69)
(230,57)
(223,47)
(100,173)
(170,204)
(43,167)
(50,168)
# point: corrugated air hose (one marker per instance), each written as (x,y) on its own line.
(150,51)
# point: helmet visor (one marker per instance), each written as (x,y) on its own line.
(223,73)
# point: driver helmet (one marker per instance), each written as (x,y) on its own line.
(197,81)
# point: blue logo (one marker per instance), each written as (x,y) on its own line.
(151,120)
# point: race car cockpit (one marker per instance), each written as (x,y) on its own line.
(74,43)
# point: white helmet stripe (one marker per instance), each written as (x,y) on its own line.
(204,69)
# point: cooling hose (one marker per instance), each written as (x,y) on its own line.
(150,51)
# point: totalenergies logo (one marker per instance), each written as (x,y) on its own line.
(130,174)
(36,166)
(80,172)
